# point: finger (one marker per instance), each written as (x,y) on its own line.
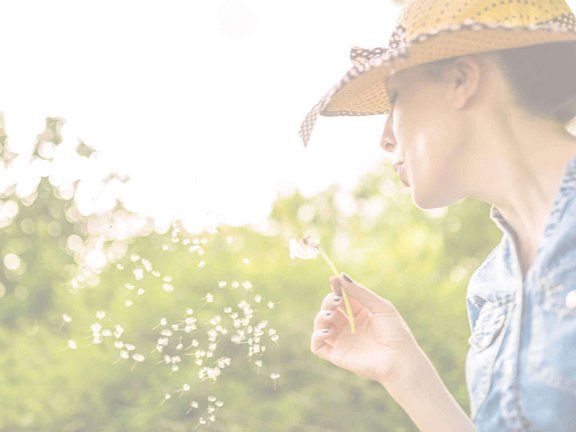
(326,319)
(360,295)
(319,343)
(336,285)
(331,302)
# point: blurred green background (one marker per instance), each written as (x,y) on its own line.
(110,325)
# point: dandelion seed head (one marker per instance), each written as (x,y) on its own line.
(124,355)
(101,314)
(246,261)
(202,264)
(140,291)
(72,344)
(307,248)
(209,298)
(128,303)
(66,318)
(167,287)
(138,358)
(222,284)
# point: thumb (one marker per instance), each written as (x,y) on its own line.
(363,295)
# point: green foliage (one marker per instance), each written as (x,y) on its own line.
(419,260)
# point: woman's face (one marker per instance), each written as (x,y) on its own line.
(425,134)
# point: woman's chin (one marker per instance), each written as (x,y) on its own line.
(430,201)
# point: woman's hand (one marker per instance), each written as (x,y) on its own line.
(382,348)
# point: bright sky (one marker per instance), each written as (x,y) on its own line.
(198,101)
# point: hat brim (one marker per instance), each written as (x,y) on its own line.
(363,90)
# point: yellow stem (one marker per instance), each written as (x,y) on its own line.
(349,313)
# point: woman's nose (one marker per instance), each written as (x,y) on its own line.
(388,141)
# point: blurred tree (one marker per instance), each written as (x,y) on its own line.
(109,325)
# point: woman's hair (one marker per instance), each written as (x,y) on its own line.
(543,77)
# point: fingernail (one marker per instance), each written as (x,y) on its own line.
(328,314)
(336,298)
(326,331)
(347,278)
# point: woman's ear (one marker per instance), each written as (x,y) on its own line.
(464,78)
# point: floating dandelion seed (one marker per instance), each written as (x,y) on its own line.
(166,397)
(274,376)
(309,248)
(138,358)
(196,338)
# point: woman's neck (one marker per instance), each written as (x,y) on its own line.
(526,157)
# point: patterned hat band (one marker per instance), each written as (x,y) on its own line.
(432,30)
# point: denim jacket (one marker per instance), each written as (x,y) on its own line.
(521,365)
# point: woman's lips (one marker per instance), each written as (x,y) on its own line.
(399,168)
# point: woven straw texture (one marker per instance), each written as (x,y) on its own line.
(431,30)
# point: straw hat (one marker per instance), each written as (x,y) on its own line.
(430,30)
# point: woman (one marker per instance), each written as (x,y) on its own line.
(478,95)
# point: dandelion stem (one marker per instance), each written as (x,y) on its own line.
(349,313)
